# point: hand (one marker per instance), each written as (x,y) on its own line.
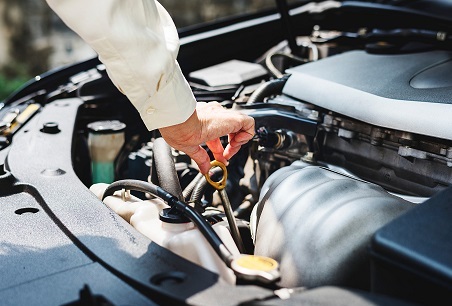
(209,122)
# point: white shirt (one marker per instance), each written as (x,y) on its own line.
(138,43)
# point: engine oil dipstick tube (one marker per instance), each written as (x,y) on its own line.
(105,140)
(220,187)
(250,268)
(246,267)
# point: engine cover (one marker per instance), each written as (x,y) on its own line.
(318,224)
(407,92)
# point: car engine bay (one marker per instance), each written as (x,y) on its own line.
(345,186)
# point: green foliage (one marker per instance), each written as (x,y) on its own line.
(12,76)
(8,86)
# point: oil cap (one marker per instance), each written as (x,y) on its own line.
(256,268)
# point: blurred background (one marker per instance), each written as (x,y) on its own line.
(34,40)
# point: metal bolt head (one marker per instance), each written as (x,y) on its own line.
(50,128)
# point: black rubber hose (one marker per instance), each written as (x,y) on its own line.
(187,192)
(165,169)
(130,185)
(271,67)
(202,184)
(188,211)
(267,89)
(288,28)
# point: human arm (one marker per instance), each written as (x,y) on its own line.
(138,43)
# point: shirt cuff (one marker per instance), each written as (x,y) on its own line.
(172,104)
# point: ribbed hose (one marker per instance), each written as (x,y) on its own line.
(199,191)
(191,186)
(201,185)
(165,169)
(267,89)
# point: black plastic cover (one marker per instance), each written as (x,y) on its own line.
(412,255)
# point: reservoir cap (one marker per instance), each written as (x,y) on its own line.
(106,127)
(256,268)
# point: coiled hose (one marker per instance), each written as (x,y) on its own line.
(187,192)
(201,185)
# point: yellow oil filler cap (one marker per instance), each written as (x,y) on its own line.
(256,268)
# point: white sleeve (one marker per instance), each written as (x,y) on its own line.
(138,43)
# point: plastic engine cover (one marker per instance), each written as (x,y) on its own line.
(318,224)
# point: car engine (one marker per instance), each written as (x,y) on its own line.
(352,153)
(343,146)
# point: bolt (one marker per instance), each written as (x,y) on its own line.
(50,128)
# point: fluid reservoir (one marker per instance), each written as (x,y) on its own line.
(105,140)
(179,236)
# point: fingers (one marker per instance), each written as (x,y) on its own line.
(240,138)
(200,156)
(235,143)
(207,123)
(238,127)
(217,150)
(248,126)
(230,151)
